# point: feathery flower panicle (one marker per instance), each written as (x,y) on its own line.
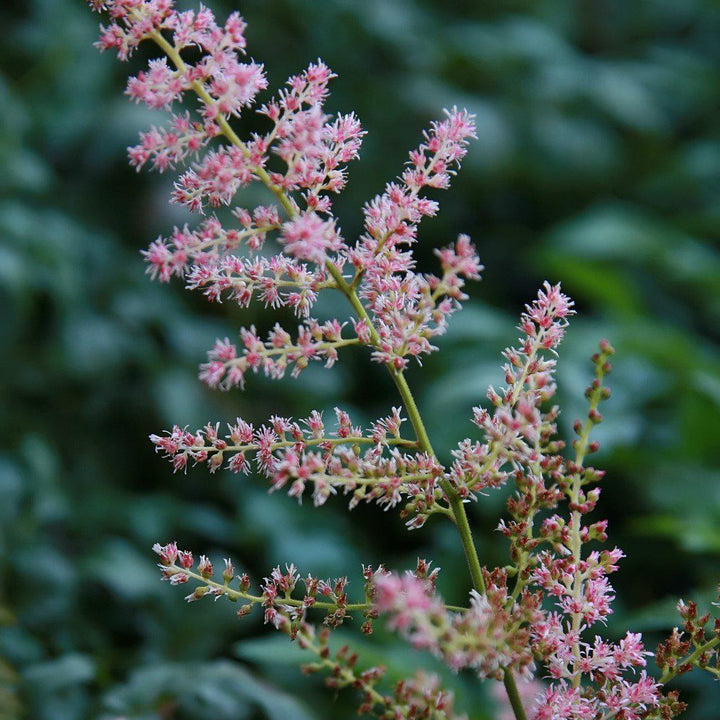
(537,617)
(407,309)
(277,282)
(167,147)
(189,251)
(518,427)
(227,365)
(300,455)
(589,679)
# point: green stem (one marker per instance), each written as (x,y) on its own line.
(457,506)
(513,695)
(290,349)
(575,542)
(412,410)
(699,650)
(237,595)
(308,442)
(463,527)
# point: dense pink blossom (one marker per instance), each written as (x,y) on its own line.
(309,237)
(188,250)
(515,426)
(538,616)
(300,455)
(277,282)
(228,363)
(167,147)
(407,309)
(485,638)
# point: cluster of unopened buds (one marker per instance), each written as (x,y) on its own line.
(527,625)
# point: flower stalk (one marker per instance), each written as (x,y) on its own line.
(283,255)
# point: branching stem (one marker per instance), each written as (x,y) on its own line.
(239,595)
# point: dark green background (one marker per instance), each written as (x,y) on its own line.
(597,164)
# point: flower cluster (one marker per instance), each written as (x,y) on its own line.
(486,637)
(301,160)
(286,607)
(296,455)
(278,282)
(532,618)
(408,309)
(518,429)
(695,645)
(227,365)
(282,603)
(204,246)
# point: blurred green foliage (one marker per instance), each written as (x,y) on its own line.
(598,164)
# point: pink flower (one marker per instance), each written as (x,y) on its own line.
(309,237)
(479,638)
(517,423)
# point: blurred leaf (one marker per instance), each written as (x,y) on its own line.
(56,675)
(221,690)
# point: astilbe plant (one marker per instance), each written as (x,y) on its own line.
(530,624)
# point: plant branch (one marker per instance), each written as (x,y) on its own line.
(238,595)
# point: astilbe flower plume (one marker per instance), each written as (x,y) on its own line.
(536,617)
(298,455)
